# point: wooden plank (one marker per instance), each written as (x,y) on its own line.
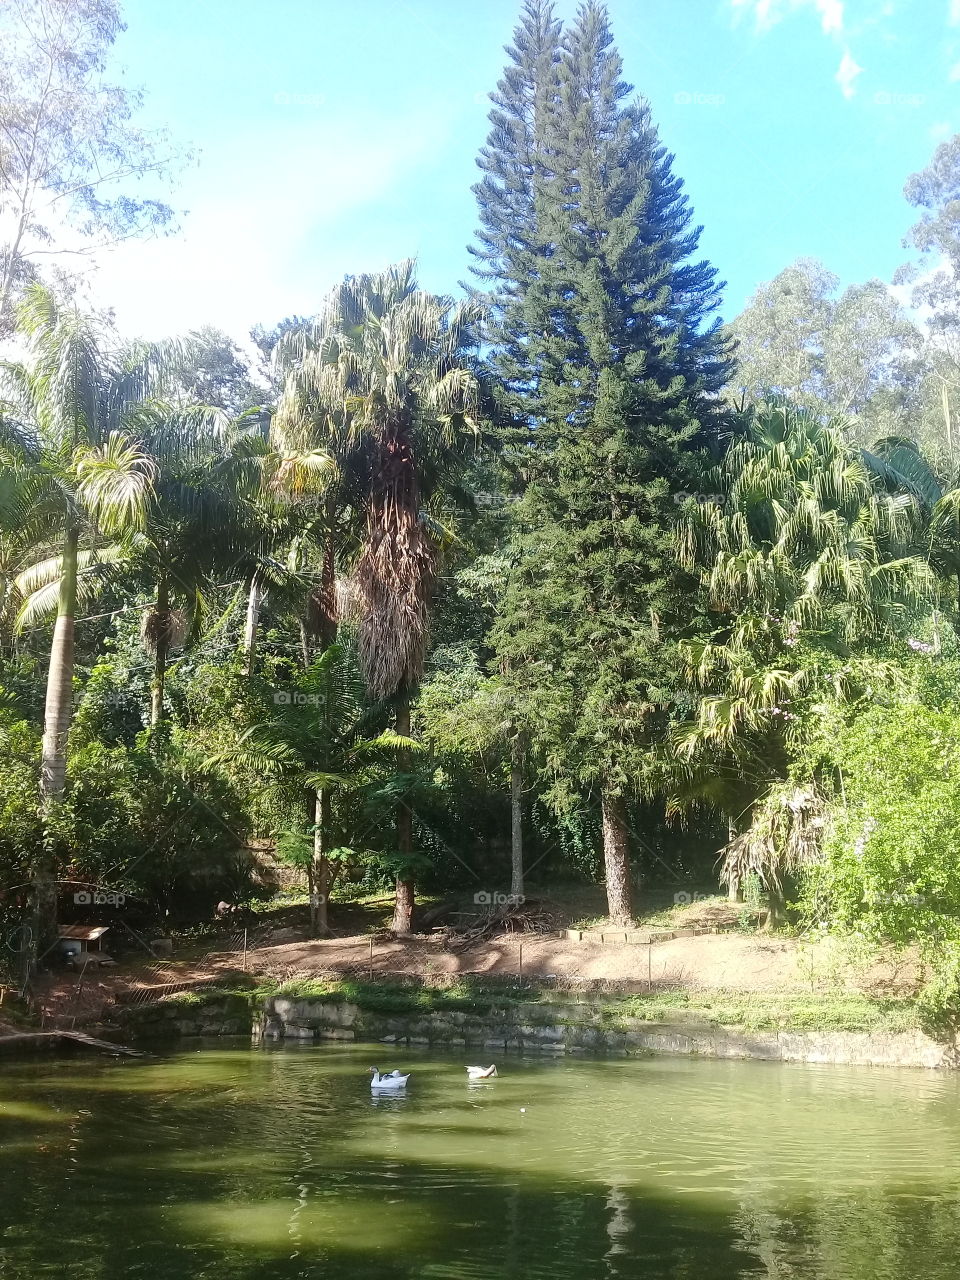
(25,1040)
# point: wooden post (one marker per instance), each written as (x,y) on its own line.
(244,951)
(371,957)
(520,983)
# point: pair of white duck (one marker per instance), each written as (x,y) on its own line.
(396,1081)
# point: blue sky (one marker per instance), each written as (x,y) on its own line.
(336,136)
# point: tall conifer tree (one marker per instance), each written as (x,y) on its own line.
(511,246)
(620,365)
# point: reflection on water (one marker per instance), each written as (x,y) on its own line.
(238,1163)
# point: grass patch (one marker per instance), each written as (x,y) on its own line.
(404,997)
(762,1011)
(752,1011)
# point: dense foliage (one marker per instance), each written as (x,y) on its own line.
(567,580)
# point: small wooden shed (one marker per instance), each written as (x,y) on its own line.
(82,944)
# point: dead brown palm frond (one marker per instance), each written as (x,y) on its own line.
(347,596)
(394,580)
(383,367)
(784,837)
(167,627)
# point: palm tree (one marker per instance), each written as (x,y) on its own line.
(198,528)
(902,470)
(325,744)
(386,361)
(312,466)
(74,474)
(806,565)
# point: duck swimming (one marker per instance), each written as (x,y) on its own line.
(393,1081)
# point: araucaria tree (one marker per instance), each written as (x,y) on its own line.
(614,387)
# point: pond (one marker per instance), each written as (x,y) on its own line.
(240,1163)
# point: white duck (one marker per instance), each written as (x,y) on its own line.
(481,1073)
(393,1081)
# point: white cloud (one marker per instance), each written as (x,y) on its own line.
(953,17)
(954,72)
(847,74)
(767,13)
(269,229)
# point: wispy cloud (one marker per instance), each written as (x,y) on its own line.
(767,13)
(847,73)
(954,73)
(953,17)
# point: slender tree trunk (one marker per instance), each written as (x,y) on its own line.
(10,268)
(255,596)
(4,593)
(945,403)
(405,891)
(322,620)
(329,619)
(53,764)
(320,868)
(734,887)
(516,819)
(158,685)
(616,857)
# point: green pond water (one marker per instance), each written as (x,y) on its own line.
(240,1163)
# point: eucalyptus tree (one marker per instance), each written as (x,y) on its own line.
(857,353)
(388,362)
(70,153)
(74,474)
(935,191)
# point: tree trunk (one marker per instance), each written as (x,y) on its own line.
(255,596)
(4,591)
(320,867)
(328,619)
(322,618)
(161,612)
(776,910)
(53,764)
(734,887)
(516,820)
(616,858)
(405,891)
(10,269)
(403,907)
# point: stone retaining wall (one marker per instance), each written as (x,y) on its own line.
(584,1028)
(552,1028)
